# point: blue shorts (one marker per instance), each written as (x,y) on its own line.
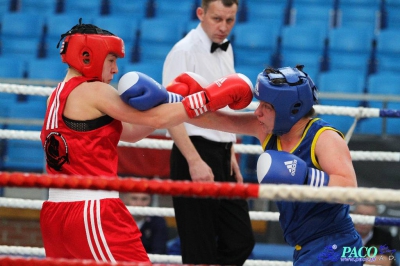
(329,250)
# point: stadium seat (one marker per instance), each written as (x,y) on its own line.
(393,15)
(11,68)
(312,14)
(127,8)
(57,25)
(254,43)
(350,48)
(21,35)
(385,84)
(48,69)
(365,16)
(124,27)
(303,45)
(4,6)
(387,50)
(83,8)
(176,10)
(45,7)
(341,82)
(251,71)
(25,155)
(157,37)
(266,12)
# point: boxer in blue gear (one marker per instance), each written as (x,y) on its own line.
(300,150)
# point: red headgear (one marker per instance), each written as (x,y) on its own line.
(86,47)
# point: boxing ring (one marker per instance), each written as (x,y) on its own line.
(16,255)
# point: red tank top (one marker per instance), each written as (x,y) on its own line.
(67,151)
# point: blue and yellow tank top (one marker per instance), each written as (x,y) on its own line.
(304,221)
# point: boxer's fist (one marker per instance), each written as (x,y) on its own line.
(280,167)
(142,92)
(187,83)
(234,90)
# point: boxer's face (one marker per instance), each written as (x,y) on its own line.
(217,20)
(265,113)
(109,68)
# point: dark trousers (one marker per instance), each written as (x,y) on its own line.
(211,230)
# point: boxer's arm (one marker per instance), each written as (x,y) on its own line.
(333,156)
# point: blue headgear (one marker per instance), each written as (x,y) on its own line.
(290,91)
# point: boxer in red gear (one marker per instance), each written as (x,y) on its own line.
(84,121)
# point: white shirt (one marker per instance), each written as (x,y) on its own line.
(192,53)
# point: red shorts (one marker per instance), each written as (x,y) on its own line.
(97,229)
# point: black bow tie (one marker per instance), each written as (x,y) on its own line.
(223,46)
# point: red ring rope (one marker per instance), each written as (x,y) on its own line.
(164,187)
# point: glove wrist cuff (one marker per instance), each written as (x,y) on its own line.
(317,178)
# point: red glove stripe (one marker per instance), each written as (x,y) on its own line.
(197,100)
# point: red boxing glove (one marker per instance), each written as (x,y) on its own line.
(234,90)
(187,83)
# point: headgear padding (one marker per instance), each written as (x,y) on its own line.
(290,91)
(86,47)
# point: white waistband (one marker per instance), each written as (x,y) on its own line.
(63,195)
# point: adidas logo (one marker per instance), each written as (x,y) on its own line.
(291,166)
(220,81)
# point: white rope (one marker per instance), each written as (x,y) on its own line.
(335,110)
(329,194)
(26,89)
(167,212)
(163,144)
(361,112)
(154,258)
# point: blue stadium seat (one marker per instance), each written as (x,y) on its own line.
(360,15)
(312,14)
(57,25)
(341,82)
(254,43)
(83,8)
(251,71)
(393,15)
(25,155)
(124,27)
(266,12)
(11,68)
(350,48)
(176,10)
(388,50)
(382,83)
(46,7)
(303,45)
(21,35)
(132,9)
(48,69)
(158,36)
(4,6)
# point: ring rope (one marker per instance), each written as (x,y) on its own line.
(162,144)
(320,109)
(206,189)
(154,258)
(169,212)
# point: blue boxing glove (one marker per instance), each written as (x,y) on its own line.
(279,167)
(142,92)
